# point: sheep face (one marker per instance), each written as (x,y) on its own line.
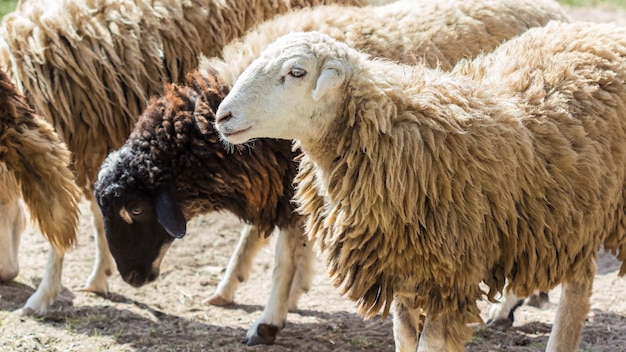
(139,224)
(286,92)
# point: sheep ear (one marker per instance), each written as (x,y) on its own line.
(331,77)
(169,214)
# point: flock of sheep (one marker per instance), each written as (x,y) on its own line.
(437,146)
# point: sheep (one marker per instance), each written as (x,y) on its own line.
(90,66)
(419,184)
(164,163)
(173,168)
(34,164)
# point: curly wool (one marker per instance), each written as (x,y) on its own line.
(512,166)
(175,140)
(90,66)
(39,164)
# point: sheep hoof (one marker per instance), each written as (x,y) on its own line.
(97,291)
(24,311)
(218,300)
(265,335)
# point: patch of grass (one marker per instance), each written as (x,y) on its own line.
(538,345)
(361,342)
(75,324)
(594,3)
(480,333)
(7,6)
(16,283)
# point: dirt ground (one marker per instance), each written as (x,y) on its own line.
(168,315)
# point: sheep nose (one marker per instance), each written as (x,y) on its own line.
(224,117)
(134,278)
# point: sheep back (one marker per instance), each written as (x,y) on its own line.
(436,33)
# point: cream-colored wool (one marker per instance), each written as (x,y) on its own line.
(38,163)
(419,184)
(447,30)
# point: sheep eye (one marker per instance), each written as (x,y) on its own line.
(297,72)
(137,211)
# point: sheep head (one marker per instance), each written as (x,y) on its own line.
(288,91)
(140,224)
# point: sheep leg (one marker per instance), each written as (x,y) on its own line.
(444,333)
(304,276)
(572,311)
(288,250)
(503,313)
(239,265)
(49,287)
(407,326)
(504,310)
(12,225)
(433,336)
(539,299)
(104,264)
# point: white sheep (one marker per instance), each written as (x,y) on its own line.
(420,184)
(91,66)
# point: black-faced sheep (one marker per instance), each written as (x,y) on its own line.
(420,184)
(90,67)
(175,159)
(34,164)
(173,167)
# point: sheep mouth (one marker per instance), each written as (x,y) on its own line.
(138,279)
(232,135)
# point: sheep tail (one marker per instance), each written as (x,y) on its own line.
(40,162)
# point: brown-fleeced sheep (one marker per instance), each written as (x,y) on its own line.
(34,164)
(174,163)
(90,67)
(420,184)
